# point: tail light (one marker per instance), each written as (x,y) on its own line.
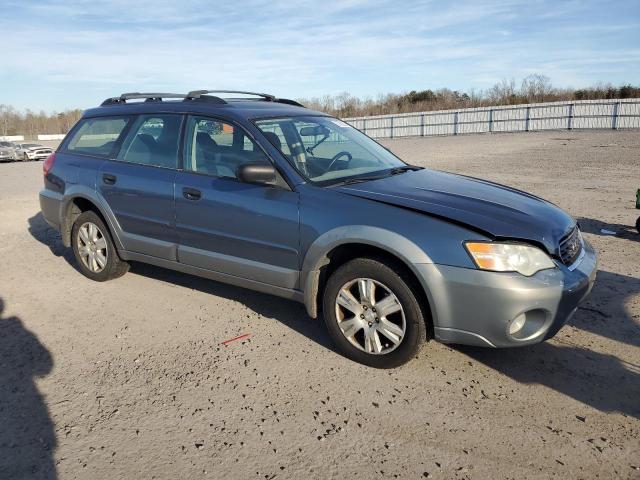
(48,163)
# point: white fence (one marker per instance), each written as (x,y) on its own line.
(583,114)
(51,136)
(20,138)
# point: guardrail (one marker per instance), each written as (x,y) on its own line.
(583,114)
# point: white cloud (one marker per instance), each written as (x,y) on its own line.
(302,49)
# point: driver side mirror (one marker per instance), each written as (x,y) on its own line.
(257,173)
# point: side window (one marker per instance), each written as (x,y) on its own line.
(217,148)
(153,140)
(97,136)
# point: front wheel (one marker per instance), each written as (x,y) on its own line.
(94,250)
(372,314)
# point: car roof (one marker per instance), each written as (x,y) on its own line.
(235,109)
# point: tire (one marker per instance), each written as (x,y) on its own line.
(638,224)
(381,351)
(99,264)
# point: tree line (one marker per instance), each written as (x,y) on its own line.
(30,124)
(533,89)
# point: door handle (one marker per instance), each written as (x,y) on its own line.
(191,193)
(108,178)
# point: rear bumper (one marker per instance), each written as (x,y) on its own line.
(50,206)
(476,307)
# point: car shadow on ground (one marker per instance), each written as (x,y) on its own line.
(604,312)
(291,314)
(41,231)
(27,436)
(595,227)
(600,380)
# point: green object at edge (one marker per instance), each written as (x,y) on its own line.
(638,198)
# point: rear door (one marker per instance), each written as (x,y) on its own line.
(139,185)
(224,225)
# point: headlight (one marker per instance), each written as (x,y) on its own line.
(509,257)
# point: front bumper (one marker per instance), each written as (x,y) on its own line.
(37,156)
(475,307)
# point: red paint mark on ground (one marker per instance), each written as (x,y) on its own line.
(241,337)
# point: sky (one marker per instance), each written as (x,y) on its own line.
(57,54)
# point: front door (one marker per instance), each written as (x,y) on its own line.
(224,225)
(139,185)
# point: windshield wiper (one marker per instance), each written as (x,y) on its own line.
(405,168)
(383,174)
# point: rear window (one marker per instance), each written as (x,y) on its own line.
(97,136)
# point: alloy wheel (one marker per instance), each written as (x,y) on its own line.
(370,316)
(92,247)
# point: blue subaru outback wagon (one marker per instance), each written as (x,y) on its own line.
(263,193)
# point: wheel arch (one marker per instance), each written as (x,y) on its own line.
(77,203)
(338,246)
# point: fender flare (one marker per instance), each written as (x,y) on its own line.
(317,256)
(89,194)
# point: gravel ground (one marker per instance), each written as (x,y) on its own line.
(128,379)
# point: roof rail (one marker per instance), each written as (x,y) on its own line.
(148,97)
(195,94)
(289,102)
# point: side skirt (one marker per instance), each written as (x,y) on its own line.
(290,294)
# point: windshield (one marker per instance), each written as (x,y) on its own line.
(326,150)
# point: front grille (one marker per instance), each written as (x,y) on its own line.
(571,247)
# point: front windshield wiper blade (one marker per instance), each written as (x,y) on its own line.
(383,174)
(405,168)
(351,181)
(378,176)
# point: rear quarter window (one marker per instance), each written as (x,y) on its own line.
(97,136)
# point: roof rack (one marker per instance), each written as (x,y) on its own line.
(289,102)
(193,95)
(198,94)
(148,97)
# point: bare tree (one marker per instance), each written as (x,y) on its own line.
(536,88)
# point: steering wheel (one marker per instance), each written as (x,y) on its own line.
(336,157)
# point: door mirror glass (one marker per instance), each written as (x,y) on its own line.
(257,173)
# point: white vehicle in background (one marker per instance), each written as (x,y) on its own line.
(33,151)
(7,154)
(8,151)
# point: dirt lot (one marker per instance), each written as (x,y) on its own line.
(127,379)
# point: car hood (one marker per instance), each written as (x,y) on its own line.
(496,210)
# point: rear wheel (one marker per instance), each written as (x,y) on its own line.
(94,250)
(373,314)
